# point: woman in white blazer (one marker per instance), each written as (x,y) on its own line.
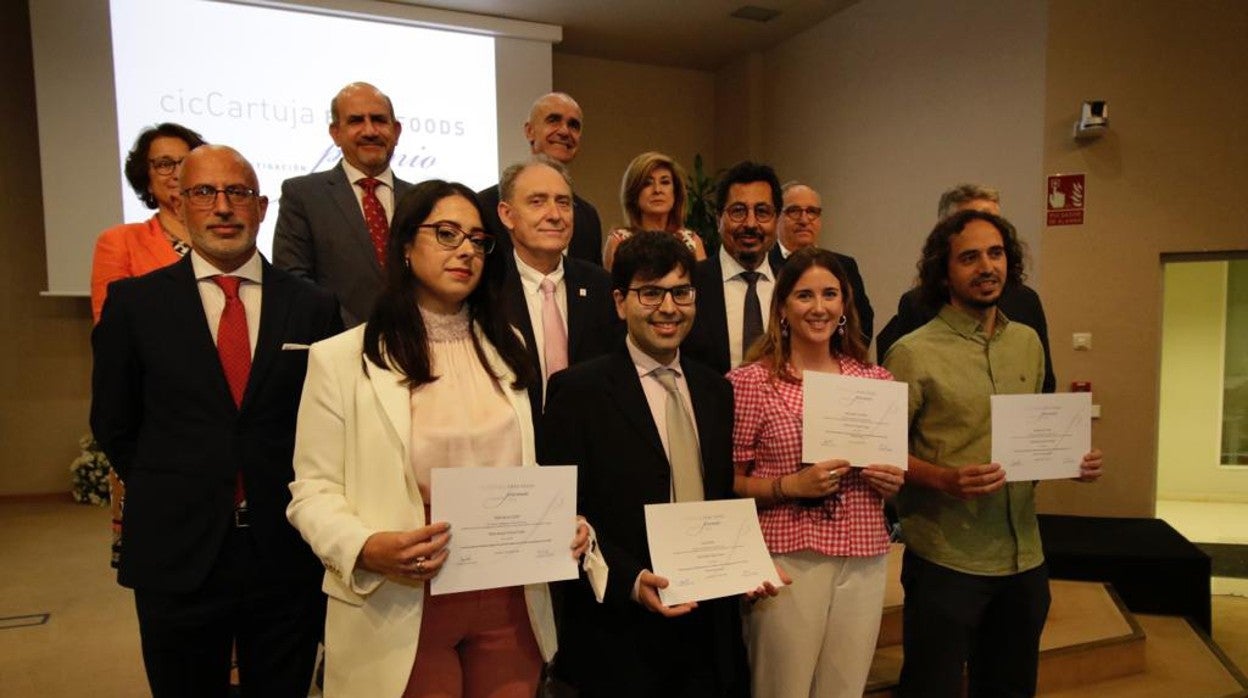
(436,378)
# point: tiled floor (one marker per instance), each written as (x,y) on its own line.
(55,555)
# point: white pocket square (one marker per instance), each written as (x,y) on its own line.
(293,346)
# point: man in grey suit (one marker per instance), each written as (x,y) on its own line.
(332,226)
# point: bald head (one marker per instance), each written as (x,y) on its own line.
(221,205)
(364,127)
(354,90)
(800,222)
(554,127)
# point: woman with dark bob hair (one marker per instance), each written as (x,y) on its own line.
(823,522)
(133,249)
(435,379)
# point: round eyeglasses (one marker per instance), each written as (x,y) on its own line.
(652,296)
(165,166)
(762,212)
(205,195)
(451,236)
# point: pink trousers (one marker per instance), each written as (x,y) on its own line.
(476,644)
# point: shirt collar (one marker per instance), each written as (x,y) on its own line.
(354,175)
(968,325)
(647,364)
(532,278)
(732,269)
(251,270)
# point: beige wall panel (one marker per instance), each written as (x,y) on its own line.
(887,104)
(631,108)
(1169,177)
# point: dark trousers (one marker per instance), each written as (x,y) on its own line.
(650,656)
(275,620)
(992,624)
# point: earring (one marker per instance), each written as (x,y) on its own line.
(840,325)
(784,327)
(407,262)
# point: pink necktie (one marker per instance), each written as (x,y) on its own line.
(375,218)
(234,350)
(554,336)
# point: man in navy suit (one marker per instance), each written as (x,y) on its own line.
(734,286)
(614,418)
(1018,301)
(553,130)
(800,225)
(198,372)
(332,225)
(537,210)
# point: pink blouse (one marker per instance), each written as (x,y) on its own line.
(463,419)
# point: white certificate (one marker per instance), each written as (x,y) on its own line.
(509,526)
(1041,436)
(861,420)
(708,549)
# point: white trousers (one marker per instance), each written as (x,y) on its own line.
(817,637)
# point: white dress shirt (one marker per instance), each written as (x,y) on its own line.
(735,287)
(384,192)
(531,282)
(656,394)
(213,298)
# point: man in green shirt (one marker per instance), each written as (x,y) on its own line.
(974,576)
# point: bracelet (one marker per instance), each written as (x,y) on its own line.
(777,490)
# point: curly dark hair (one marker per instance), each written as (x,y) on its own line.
(934,265)
(395,336)
(773,349)
(649,255)
(745,172)
(136,160)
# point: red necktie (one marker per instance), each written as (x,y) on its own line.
(375,218)
(234,350)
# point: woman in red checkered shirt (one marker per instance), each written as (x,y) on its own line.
(823,522)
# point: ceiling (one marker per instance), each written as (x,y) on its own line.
(698,34)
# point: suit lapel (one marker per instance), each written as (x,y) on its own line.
(625,386)
(275,305)
(188,308)
(518,306)
(716,312)
(577,300)
(775,258)
(343,195)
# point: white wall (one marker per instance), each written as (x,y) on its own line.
(631,108)
(885,105)
(1190,408)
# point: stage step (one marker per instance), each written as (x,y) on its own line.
(1091,646)
(1089,637)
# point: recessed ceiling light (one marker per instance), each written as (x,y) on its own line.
(755,13)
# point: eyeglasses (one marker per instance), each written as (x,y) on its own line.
(794,213)
(165,166)
(762,212)
(451,236)
(652,296)
(205,195)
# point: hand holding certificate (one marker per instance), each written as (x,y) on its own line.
(861,420)
(1041,437)
(512,526)
(708,550)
